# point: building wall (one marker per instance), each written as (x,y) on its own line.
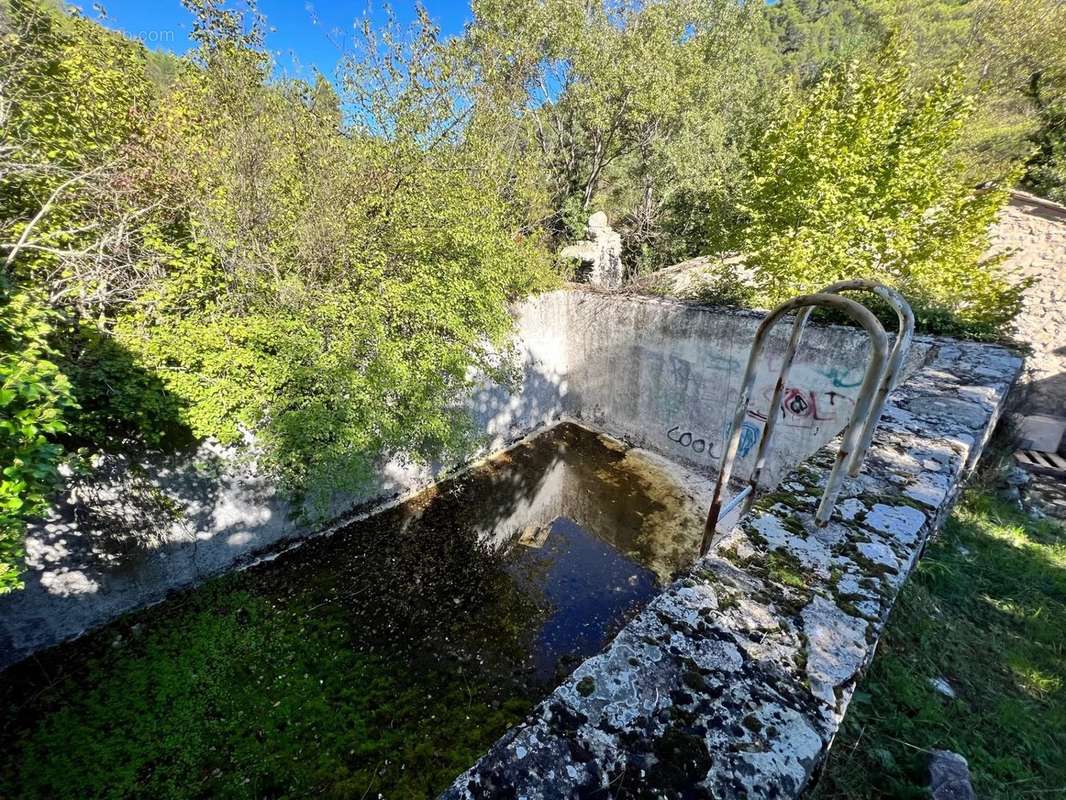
(1033,233)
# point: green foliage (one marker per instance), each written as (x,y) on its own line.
(234,699)
(626,108)
(268,274)
(337,292)
(72,93)
(74,87)
(985,611)
(807,36)
(121,404)
(34,398)
(1046,169)
(998,47)
(357,662)
(857,179)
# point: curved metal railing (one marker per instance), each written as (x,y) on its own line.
(896,357)
(860,426)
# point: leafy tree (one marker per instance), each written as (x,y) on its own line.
(1046,169)
(630,108)
(806,36)
(72,221)
(1010,58)
(857,179)
(1024,54)
(34,399)
(333,294)
(230,256)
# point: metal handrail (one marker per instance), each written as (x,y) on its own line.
(900,348)
(855,432)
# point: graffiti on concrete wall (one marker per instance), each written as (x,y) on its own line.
(842,378)
(688,396)
(717,363)
(684,382)
(698,444)
(806,408)
(749,437)
(677,387)
(750,432)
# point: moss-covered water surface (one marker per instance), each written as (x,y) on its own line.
(380,660)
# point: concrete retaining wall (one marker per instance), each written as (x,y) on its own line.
(665,375)
(77,580)
(660,374)
(733,683)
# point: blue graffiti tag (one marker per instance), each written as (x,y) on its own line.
(749,437)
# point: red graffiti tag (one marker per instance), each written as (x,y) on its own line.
(804,404)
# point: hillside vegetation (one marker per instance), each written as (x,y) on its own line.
(314,272)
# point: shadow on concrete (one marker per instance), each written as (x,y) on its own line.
(1046,395)
(212,510)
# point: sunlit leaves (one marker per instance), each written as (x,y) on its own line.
(857,179)
(34,398)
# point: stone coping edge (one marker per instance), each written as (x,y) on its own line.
(733,682)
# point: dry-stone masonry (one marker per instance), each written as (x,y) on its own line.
(1033,232)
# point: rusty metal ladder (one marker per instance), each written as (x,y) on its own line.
(879,379)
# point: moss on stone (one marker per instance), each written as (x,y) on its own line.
(727,600)
(694,680)
(793,525)
(866,564)
(785,568)
(682,759)
(752,723)
(780,497)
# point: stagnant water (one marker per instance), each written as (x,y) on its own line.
(381,660)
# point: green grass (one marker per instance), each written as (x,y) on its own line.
(986,610)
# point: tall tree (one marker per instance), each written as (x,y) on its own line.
(629,106)
(858,179)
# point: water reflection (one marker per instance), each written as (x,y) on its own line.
(382,659)
(589,586)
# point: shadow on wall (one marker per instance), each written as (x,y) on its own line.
(213,511)
(1047,395)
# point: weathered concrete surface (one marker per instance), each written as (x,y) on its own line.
(665,375)
(732,684)
(661,375)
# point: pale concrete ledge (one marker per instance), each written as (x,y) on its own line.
(733,682)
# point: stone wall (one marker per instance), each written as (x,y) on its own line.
(1033,232)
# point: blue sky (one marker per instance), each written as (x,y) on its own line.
(302,30)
